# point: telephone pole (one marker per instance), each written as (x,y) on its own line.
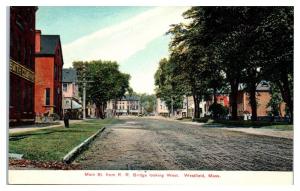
(83,99)
(84,82)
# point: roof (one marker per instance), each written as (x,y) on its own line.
(131,98)
(48,44)
(263,86)
(69,75)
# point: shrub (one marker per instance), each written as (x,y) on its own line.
(218,110)
(201,120)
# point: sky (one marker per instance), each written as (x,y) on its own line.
(135,37)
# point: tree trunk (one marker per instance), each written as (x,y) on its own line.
(215,95)
(114,109)
(234,85)
(99,106)
(196,105)
(253,101)
(286,93)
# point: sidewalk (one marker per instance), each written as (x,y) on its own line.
(265,132)
(26,128)
(250,130)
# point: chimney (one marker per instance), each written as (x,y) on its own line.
(37,41)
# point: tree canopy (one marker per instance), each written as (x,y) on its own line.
(105,81)
(222,46)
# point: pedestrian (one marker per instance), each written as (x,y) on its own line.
(66,119)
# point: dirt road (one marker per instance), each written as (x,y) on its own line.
(151,144)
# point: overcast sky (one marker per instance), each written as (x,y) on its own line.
(132,36)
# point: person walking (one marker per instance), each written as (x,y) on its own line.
(66,119)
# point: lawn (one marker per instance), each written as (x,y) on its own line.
(255,124)
(53,144)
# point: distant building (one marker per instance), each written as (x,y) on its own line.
(127,105)
(221,99)
(188,107)
(22,65)
(263,96)
(48,74)
(70,93)
(161,107)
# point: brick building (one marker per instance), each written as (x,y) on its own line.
(188,108)
(22,65)
(263,97)
(48,74)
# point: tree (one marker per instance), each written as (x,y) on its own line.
(169,87)
(275,100)
(246,43)
(277,36)
(107,82)
(218,110)
(147,102)
(190,62)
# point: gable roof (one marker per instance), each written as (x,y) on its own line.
(263,86)
(130,98)
(69,75)
(48,44)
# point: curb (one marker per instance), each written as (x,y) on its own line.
(68,158)
(15,156)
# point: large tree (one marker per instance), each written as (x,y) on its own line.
(106,82)
(169,87)
(277,37)
(247,44)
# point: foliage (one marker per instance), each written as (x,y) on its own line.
(218,110)
(275,100)
(169,87)
(238,45)
(106,82)
(148,102)
(201,120)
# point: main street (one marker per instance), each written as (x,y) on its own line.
(153,144)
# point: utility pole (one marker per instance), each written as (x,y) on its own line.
(84,82)
(84,92)
(83,100)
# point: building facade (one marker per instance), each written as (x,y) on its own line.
(161,107)
(263,96)
(128,105)
(22,65)
(48,74)
(70,93)
(188,107)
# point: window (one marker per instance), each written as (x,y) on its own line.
(47,96)
(65,87)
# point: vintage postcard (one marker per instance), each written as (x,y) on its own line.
(151,95)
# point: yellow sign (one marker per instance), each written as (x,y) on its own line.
(21,71)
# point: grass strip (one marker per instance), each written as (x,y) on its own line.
(53,144)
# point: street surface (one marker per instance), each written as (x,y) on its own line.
(151,144)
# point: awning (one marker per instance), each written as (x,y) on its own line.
(71,105)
